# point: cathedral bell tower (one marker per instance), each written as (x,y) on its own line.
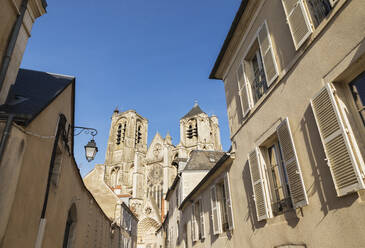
(127,136)
(198,131)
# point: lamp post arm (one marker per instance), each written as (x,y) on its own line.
(86,130)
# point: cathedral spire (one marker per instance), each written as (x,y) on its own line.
(194,111)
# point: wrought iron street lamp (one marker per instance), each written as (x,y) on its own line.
(90,149)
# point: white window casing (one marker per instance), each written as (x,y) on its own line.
(298,21)
(201,216)
(291,163)
(243,90)
(216,216)
(259,186)
(228,202)
(333,2)
(267,53)
(342,153)
(194,226)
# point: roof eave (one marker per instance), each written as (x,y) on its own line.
(228,40)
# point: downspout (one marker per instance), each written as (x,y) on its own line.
(43,221)
(13,38)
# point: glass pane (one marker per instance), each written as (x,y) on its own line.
(259,83)
(319,10)
(358,92)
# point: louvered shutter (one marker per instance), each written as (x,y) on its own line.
(292,167)
(228,202)
(341,157)
(216,220)
(298,21)
(267,53)
(193,224)
(201,216)
(244,91)
(259,185)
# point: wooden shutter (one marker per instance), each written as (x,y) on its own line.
(216,219)
(291,163)
(201,216)
(267,53)
(341,157)
(194,230)
(228,202)
(298,21)
(244,90)
(259,185)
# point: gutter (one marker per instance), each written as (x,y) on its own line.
(228,39)
(11,45)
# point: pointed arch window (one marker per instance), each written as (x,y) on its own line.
(121,132)
(70,228)
(138,136)
(192,130)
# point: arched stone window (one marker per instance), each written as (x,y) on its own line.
(121,132)
(114,177)
(138,136)
(69,234)
(192,129)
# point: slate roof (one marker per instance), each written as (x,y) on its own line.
(33,91)
(194,111)
(203,160)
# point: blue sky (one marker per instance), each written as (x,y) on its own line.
(151,56)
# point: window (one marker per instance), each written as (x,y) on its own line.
(319,9)
(222,214)
(276,176)
(257,71)
(121,132)
(280,193)
(192,130)
(70,228)
(198,231)
(138,136)
(300,21)
(341,128)
(357,88)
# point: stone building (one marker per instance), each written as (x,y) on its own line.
(43,200)
(294,77)
(140,174)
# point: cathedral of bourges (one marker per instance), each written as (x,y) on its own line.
(139,174)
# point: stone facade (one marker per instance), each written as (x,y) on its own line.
(140,174)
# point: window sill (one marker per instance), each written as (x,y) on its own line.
(284,72)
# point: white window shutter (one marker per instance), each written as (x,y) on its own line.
(298,21)
(267,53)
(228,202)
(344,161)
(201,215)
(194,230)
(216,218)
(259,186)
(243,90)
(294,174)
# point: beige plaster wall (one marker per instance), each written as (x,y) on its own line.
(8,14)
(92,225)
(328,221)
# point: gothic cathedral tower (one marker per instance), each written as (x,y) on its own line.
(127,137)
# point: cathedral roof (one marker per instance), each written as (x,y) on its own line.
(203,160)
(194,111)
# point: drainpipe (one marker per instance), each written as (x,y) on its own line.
(43,221)
(11,45)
